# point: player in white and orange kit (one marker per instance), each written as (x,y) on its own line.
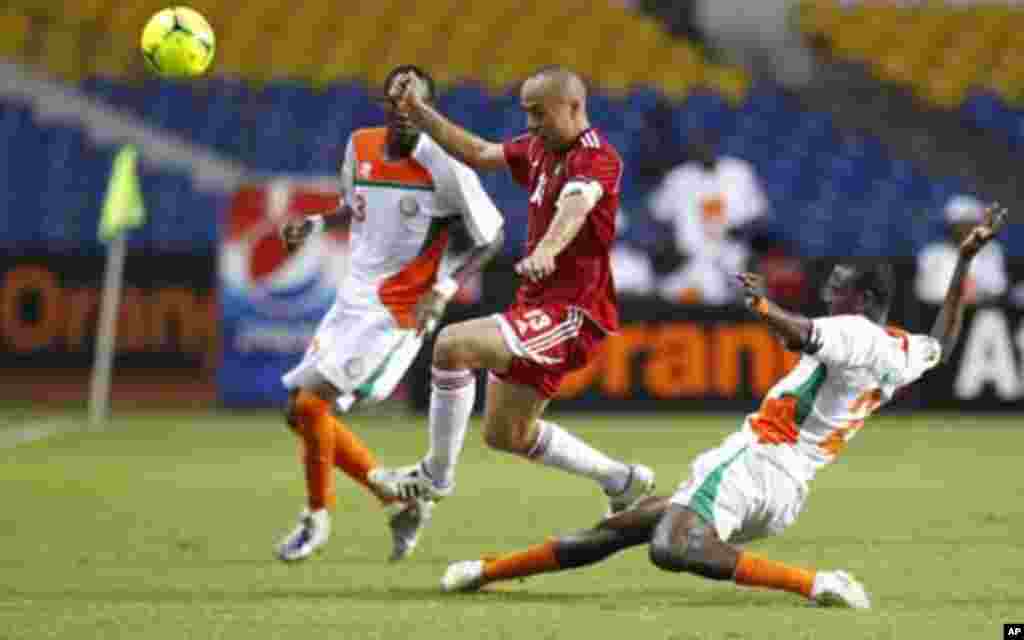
(410,208)
(755,483)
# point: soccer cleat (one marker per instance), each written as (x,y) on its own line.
(406,520)
(639,485)
(467,575)
(839,589)
(408,483)
(310,534)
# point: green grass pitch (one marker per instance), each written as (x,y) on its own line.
(162,527)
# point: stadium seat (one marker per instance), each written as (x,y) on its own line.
(940,51)
(831,193)
(17,29)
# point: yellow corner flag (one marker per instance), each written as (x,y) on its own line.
(122,206)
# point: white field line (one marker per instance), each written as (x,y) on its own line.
(34,430)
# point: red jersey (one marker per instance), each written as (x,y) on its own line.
(582,276)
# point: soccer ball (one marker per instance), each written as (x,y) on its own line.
(178,42)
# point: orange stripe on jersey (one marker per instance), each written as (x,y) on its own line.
(834,444)
(400,292)
(775,421)
(896,332)
(372,167)
(867,401)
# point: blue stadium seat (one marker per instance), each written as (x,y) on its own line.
(832,193)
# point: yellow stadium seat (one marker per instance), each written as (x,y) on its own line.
(15,27)
(497,42)
(61,53)
(945,89)
(731,82)
(820,17)
(937,49)
(86,10)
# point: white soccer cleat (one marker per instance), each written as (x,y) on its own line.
(406,520)
(408,483)
(467,575)
(310,534)
(839,589)
(639,485)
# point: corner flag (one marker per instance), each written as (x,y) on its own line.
(122,210)
(122,207)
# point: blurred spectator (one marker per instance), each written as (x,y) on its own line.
(632,269)
(935,264)
(708,201)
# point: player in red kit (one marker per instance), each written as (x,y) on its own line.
(563,310)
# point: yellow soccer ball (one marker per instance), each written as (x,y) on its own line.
(178,42)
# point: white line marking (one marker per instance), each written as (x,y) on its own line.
(33,431)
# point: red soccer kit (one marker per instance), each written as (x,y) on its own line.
(557,323)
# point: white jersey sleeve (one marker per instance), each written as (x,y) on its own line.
(854,342)
(348,172)
(459,191)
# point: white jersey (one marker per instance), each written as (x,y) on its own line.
(392,261)
(807,417)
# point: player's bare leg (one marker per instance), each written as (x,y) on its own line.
(684,542)
(459,350)
(511,424)
(328,443)
(621,531)
(680,541)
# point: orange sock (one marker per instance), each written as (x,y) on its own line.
(537,559)
(755,571)
(318,449)
(352,456)
(329,443)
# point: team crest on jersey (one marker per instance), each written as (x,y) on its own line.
(354,368)
(365,169)
(408,206)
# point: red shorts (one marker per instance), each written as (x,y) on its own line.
(549,341)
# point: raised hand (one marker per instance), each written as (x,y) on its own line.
(295,232)
(405,93)
(995,218)
(753,288)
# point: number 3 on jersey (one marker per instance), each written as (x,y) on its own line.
(533,321)
(359,210)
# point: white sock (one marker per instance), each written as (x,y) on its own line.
(556,447)
(452,394)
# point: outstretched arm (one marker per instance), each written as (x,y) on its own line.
(295,232)
(573,209)
(467,147)
(793,329)
(461,267)
(455,270)
(950,320)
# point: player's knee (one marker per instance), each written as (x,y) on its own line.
(452,349)
(665,555)
(686,555)
(498,439)
(510,435)
(302,409)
